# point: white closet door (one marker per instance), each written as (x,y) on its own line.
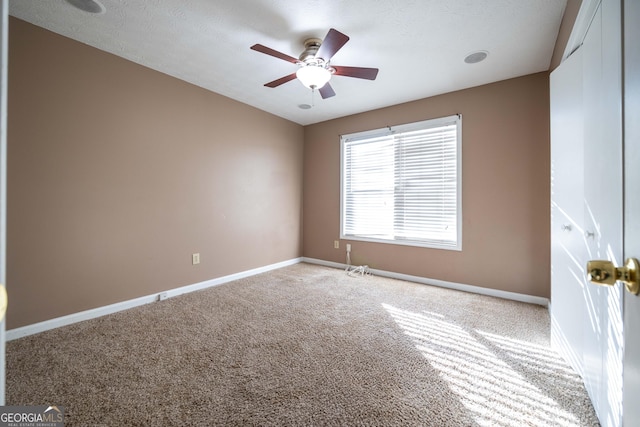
(603,339)
(587,191)
(567,243)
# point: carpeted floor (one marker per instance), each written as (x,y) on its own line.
(305,345)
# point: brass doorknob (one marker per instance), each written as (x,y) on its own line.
(605,273)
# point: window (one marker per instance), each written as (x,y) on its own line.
(402,184)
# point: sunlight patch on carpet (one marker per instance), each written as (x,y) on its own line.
(493,376)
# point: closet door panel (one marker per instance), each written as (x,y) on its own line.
(567,189)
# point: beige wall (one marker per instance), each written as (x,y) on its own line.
(505,188)
(118,173)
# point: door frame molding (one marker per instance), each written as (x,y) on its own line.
(583,21)
(4,72)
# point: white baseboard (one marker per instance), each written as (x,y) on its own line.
(443,284)
(35,328)
(325,263)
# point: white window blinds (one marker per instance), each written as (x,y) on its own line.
(402,184)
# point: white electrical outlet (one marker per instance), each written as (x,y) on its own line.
(348,247)
(195,259)
(336,244)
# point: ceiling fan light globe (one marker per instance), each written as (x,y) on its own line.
(313,77)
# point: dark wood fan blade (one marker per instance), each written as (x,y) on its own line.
(327,91)
(281,80)
(357,72)
(332,43)
(269,51)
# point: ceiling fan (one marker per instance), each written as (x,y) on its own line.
(315,68)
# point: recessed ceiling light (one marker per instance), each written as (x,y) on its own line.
(475,57)
(90,6)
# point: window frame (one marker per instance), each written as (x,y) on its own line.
(390,130)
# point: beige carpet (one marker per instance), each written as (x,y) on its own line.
(305,345)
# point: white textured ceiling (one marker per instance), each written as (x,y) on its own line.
(418,45)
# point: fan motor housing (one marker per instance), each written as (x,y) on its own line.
(311,47)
